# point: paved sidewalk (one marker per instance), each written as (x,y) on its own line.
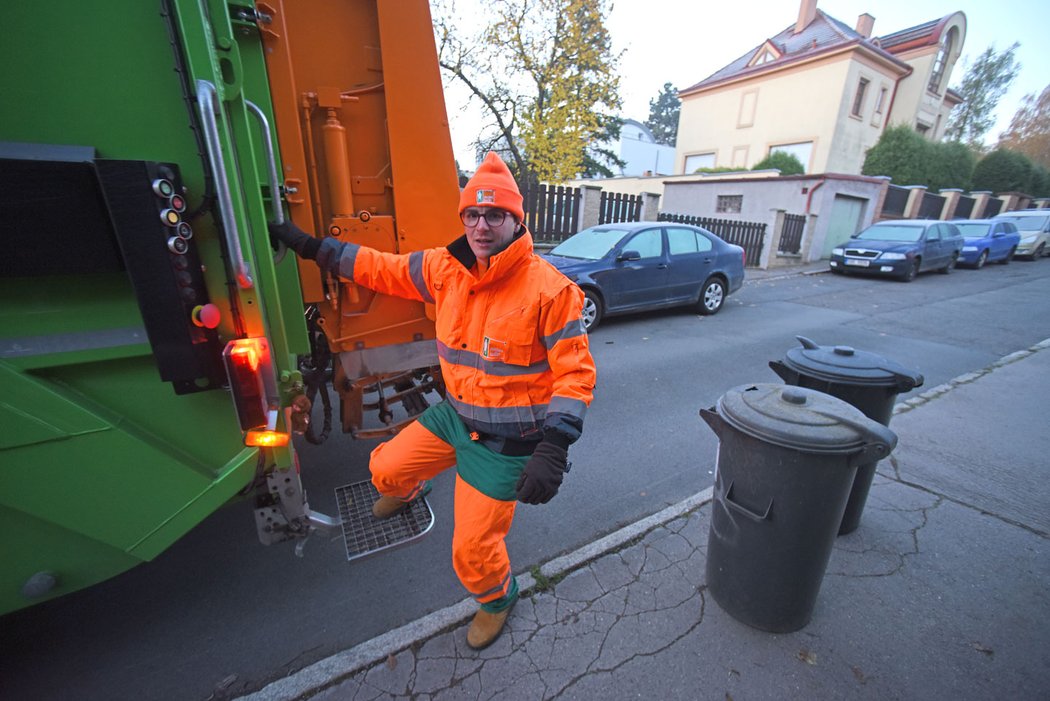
(942,592)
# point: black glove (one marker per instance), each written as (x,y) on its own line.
(543,473)
(295,238)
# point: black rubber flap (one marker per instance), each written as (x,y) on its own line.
(846,365)
(797,417)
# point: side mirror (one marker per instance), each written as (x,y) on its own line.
(626,256)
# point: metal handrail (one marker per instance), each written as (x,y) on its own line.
(271,162)
(206,101)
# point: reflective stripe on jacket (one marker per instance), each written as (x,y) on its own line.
(513,351)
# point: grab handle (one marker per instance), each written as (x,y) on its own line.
(271,162)
(743,510)
(206,101)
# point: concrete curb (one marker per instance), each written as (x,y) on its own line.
(934,392)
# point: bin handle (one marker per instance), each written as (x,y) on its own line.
(743,510)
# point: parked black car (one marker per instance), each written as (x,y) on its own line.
(901,248)
(633,267)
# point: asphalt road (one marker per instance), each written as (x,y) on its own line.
(218,614)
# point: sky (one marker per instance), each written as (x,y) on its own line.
(683,41)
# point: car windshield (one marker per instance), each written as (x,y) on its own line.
(973,231)
(1027,223)
(891,233)
(589,244)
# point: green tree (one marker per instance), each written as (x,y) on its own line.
(1029,131)
(787,163)
(1003,170)
(663,115)
(983,85)
(901,154)
(950,164)
(1040,181)
(546,76)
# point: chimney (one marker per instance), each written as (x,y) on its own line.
(865,23)
(807,12)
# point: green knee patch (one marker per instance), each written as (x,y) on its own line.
(490,473)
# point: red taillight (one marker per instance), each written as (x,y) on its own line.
(253,385)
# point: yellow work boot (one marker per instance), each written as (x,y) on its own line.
(387,507)
(485,628)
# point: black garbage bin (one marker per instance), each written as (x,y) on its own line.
(787,457)
(864,380)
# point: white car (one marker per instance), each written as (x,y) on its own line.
(1034,227)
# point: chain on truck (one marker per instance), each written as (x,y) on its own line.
(156,350)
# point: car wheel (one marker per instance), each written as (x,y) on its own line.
(912,270)
(712,295)
(592,310)
(949,265)
(1038,252)
(981,260)
(1009,256)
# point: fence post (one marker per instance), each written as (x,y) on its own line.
(880,201)
(807,237)
(951,197)
(590,205)
(775,232)
(650,206)
(980,201)
(911,210)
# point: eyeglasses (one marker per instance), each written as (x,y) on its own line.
(493,217)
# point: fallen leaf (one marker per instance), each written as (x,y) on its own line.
(807,656)
(391,662)
(981,648)
(860,675)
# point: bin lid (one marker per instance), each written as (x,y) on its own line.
(846,365)
(800,418)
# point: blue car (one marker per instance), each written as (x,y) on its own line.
(640,266)
(988,240)
(902,248)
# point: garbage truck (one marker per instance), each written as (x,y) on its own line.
(157,350)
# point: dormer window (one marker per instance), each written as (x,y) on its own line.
(940,65)
(766,53)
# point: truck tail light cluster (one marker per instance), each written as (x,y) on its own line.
(249,367)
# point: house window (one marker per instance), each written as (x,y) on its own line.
(941,63)
(922,128)
(698,161)
(729,204)
(858,99)
(880,101)
(802,151)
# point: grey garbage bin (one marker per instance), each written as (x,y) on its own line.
(864,380)
(787,457)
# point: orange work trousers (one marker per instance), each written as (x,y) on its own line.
(400,467)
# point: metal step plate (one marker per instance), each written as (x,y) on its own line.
(364,534)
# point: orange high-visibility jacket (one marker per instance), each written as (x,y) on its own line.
(513,350)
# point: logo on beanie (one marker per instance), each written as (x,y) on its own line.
(486,197)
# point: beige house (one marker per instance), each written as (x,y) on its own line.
(822,91)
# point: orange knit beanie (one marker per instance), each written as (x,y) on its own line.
(492,186)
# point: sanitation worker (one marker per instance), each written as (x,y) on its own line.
(518,372)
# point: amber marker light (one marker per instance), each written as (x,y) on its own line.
(266,439)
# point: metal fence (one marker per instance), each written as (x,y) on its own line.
(992,207)
(964,208)
(617,207)
(747,235)
(791,234)
(931,207)
(896,201)
(552,213)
